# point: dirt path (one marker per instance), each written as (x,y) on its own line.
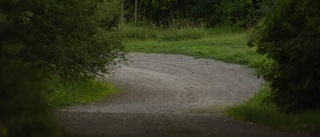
(169,96)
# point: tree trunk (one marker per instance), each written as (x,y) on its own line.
(136,12)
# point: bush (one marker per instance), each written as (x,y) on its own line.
(204,13)
(72,39)
(23,107)
(290,37)
(71,42)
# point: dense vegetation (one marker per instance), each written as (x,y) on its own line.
(43,40)
(204,13)
(290,37)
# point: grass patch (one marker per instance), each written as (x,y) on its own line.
(65,93)
(259,112)
(226,44)
(182,34)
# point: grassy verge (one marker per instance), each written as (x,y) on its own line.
(65,93)
(257,111)
(228,44)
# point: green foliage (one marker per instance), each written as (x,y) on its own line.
(71,42)
(160,12)
(258,111)
(71,39)
(65,93)
(290,37)
(222,12)
(204,13)
(23,107)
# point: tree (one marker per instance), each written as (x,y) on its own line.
(39,38)
(23,107)
(290,37)
(76,42)
(207,13)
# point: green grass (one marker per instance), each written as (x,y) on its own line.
(229,44)
(226,44)
(257,111)
(78,92)
(158,33)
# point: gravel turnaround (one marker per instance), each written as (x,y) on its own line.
(170,96)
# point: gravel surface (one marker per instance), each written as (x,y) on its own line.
(170,96)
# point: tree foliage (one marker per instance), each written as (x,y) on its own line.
(72,42)
(38,38)
(245,13)
(23,107)
(290,37)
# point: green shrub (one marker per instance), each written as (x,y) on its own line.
(290,37)
(204,13)
(23,107)
(71,42)
(72,39)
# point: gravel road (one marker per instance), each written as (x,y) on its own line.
(170,96)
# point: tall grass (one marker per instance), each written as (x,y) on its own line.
(182,34)
(151,32)
(65,93)
(140,33)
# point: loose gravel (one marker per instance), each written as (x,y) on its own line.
(170,96)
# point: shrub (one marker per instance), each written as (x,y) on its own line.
(71,42)
(23,107)
(290,37)
(204,13)
(73,39)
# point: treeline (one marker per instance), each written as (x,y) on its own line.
(39,39)
(204,13)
